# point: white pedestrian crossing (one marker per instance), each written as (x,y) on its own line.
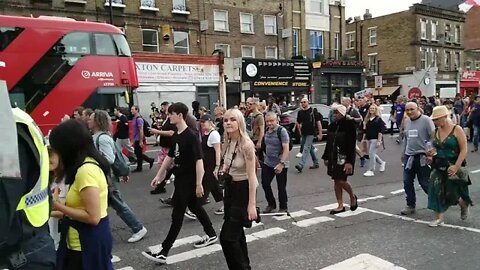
(364,262)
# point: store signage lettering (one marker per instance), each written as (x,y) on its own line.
(270,83)
(264,73)
(339,63)
(166,72)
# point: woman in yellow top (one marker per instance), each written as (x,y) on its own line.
(86,240)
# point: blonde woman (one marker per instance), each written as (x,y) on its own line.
(373,129)
(238,172)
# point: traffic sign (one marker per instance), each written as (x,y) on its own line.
(415,92)
(378,82)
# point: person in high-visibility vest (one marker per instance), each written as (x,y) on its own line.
(28,243)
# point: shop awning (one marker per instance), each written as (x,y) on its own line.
(469,84)
(386,91)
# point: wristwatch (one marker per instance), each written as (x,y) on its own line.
(284,163)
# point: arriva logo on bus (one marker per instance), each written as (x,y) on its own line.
(96,74)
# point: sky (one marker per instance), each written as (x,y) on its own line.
(377,7)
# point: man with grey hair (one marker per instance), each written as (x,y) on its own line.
(100,124)
(308,122)
(418,132)
(255,125)
(275,163)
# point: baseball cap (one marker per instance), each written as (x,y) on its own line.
(206,117)
(164,103)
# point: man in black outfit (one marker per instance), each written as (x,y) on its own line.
(121,136)
(186,155)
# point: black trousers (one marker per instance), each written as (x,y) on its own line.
(211,185)
(232,236)
(268,174)
(183,198)
(73,260)
(140,156)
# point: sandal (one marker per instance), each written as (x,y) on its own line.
(354,207)
(335,211)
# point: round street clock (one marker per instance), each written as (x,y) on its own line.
(251,70)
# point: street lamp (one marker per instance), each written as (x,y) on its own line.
(110,11)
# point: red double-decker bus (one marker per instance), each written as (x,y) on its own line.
(53,65)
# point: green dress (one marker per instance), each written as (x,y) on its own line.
(442,192)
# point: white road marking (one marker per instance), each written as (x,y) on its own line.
(293,214)
(328,207)
(371,198)
(254,224)
(311,221)
(395,192)
(364,262)
(268,232)
(126,268)
(115,259)
(179,242)
(359,210)
(476,171)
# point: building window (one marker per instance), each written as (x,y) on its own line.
(147,4)
(224,47)
(350,41)
(372,36)
(316,6)
(457,34)
(457,61)
(447,60)
(447,33)
(220,20)
(316,44)
(179,5)
(295,42)
(180,41)
(373,63)
(248,51)
(115,3)
(271,52)
(270,24)
(434,30)
(337,45)
(246,23)
(434,57)
(150,40)
(424,58)
(423,29)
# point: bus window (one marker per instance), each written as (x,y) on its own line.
(7,35)
(104,44)
(122,45)
(74,43)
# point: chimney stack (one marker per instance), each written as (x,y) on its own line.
(367,15)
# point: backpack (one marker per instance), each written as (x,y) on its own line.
(146,127)
(312,116)
(249,122)
(279,135)
(120,166)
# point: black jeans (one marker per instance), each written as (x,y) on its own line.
(268,174)
(183,198)
(73,260)
(211,185)
(140,156)
(232,237)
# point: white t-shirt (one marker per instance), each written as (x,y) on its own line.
(214,138)
(53,222)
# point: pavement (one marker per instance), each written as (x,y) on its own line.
(374,237)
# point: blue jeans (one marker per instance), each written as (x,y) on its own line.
(116,201)
(476,136)
(419,169)
(307,148)
(372,153)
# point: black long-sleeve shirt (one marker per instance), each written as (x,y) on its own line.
(341,134)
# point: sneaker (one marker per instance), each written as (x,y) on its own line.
(283,210)
(206,241)
(382,166)
(158,191)
(436,223)
(137,236)
(268,209)
(220,211)
(190,215)
(299,168)
(167,201)
(408,211)
(464,212)
(314,167)
(299,155)
(369,174)
(160,257)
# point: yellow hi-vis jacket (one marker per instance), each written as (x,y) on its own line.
(35,203)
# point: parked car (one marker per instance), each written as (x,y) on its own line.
(386,108)
(289,120)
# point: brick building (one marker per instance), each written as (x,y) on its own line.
(420,47)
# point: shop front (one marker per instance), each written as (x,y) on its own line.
(177,78)
(285,80)
(470,83)
(334,79)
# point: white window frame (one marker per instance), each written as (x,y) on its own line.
(76,1)
(180,47)
(457,34)
(144,6)
(319,2)
(149,45)
(115,3)
(350,40)
(320,47)
(250,47)
(456,60)
(336,45)
(275,51)
(242,23)
(220,46)
(423,29)
(448,34)
(295,42)
(447,60)
(373,64)
(434,57)
(423,58)
(266,24)
(216,20)
(372,39)
(433,30)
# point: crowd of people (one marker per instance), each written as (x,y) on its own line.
(221,153)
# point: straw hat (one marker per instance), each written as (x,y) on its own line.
(340,108)
(439,112)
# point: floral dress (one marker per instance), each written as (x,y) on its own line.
(443,192)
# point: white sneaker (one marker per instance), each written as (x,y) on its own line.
(382,166)
(368,174)
(436,223)
(220,211)
(299,155)
(138,235)
(206,241)
(190,215)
